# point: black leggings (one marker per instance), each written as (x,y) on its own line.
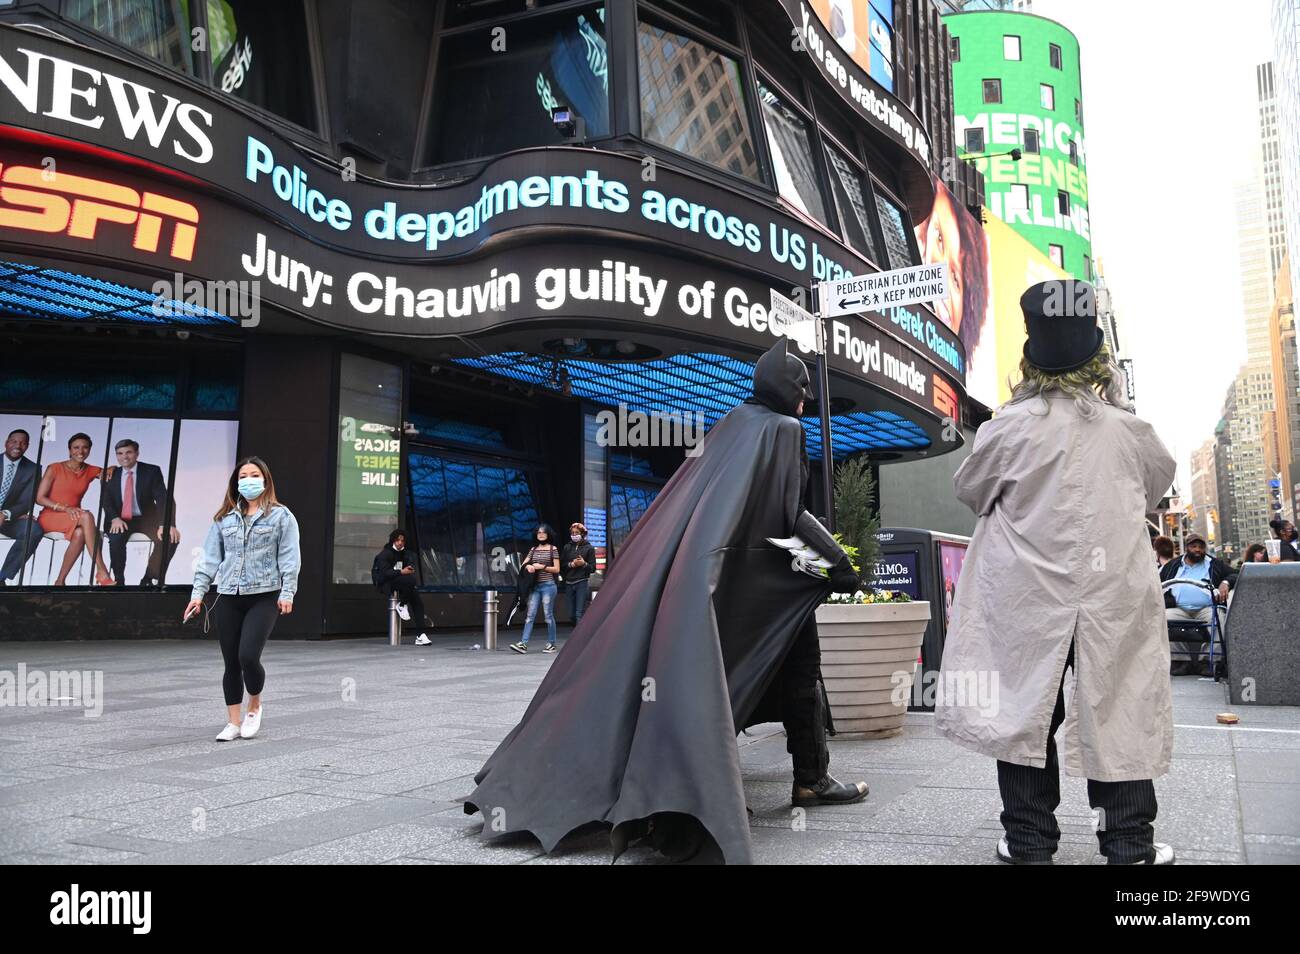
(244,621)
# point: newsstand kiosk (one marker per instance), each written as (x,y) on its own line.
(926,566)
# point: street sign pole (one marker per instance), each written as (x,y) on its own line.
(824,405)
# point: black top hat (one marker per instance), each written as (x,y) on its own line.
(1061,322)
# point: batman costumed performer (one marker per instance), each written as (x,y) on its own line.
(701,629)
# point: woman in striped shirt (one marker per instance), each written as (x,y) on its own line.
(543,560)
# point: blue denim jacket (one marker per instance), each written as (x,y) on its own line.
(250,557)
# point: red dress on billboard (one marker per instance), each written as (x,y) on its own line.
(67,490)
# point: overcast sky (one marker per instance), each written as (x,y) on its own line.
(1170,122)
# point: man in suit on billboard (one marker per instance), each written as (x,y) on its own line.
(135,499)
(18,479)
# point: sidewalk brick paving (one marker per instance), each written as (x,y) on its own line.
(365,751)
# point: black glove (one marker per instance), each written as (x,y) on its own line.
(844,579)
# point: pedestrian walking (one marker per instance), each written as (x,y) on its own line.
(543,563)
(252,553)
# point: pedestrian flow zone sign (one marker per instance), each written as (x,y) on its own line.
(880,290)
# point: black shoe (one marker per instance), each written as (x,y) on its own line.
(828,791)
(1006,857)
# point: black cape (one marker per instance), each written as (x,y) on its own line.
(636,720)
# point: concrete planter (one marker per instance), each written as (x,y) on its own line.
(863,647)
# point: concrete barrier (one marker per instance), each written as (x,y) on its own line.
(1263,633)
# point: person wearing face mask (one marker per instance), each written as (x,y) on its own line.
(252,552)
(578,560)
(394,572)
(543,563)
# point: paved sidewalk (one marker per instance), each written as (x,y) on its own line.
(365,749)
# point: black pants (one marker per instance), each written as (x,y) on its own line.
(1030,796)
(406,592)
(26,533)
(244,621)
(804,708)
(579,591)
(160,552)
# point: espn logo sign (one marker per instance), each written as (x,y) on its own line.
(945,398)
(38,200)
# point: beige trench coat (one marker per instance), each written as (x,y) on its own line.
(1060,554)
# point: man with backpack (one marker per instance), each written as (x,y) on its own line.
(393,572)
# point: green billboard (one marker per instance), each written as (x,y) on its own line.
(1016,85)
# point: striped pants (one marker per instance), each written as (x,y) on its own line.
(1030,796)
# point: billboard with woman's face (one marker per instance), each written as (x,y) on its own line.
(989,268)
(950,234)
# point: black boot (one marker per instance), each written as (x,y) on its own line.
(827,791)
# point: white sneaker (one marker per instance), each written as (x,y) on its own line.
(252,722)
(229,733)
(403,612)
(1164,855)
(422,640)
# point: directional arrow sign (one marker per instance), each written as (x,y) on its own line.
(795,323)
(880,290)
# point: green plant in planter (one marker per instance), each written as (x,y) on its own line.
(857,522)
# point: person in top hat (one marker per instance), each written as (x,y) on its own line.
(1065,459)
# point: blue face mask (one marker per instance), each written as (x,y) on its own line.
(250,488)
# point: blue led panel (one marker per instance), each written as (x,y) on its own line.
(50,294)
(707,384)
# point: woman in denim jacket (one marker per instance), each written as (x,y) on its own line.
(252,552)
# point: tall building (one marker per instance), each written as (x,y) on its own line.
(1016,86)
(1253,261)
(1223,476)
(1271,168)
(1286,388)
(1204,493)
(1286,61)
(1253,461)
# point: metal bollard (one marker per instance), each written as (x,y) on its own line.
(490,609)
(394,622)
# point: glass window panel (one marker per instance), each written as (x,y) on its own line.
(849,190)
(368,505)
(432,526)
(672,117)
(214,386)
(156,28)
(259,54)
(894,225)
(494,100)
(76,382)
(628,504)
(792,155)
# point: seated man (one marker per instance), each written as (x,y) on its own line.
(1191,603)
(19,477)
(393,572)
